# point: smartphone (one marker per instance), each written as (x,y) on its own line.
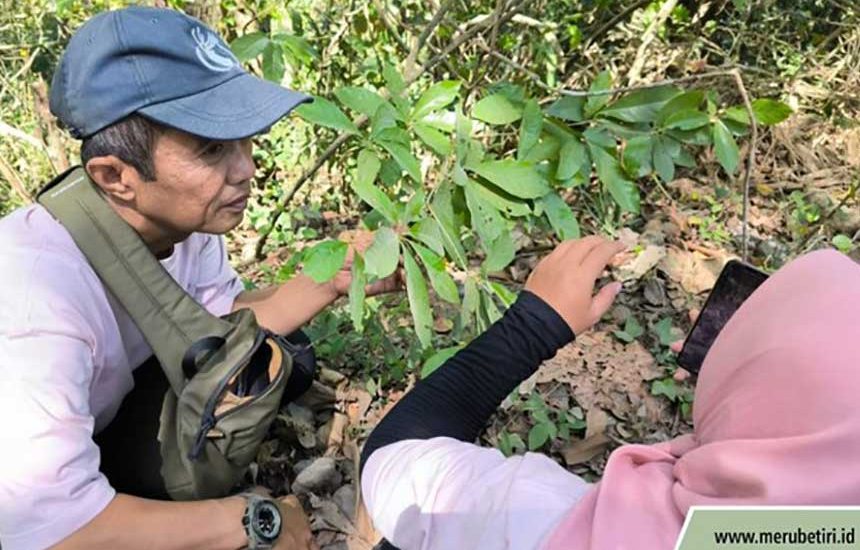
(734,285)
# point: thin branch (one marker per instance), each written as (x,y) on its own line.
(850,195)
(614,21)
(425,35)
(14,180)
(736,74)
(647,37)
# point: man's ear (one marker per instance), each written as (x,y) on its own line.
(115,177)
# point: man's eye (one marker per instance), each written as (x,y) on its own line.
(213,149)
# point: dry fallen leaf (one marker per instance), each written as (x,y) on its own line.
(639,264)
(694,271)
(583,450)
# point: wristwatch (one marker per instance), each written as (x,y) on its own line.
(262,521)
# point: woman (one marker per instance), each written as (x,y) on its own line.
(776,406)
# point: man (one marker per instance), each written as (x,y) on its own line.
(166,115)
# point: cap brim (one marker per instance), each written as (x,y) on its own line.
(238,108)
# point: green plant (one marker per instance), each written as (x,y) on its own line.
(501,165)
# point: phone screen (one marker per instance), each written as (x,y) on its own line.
(734,285)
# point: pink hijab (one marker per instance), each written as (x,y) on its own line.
(776,415)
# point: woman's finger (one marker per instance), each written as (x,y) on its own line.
(677,346)
(599,257)
(601,303)
(681,374)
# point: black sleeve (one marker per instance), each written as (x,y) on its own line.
(457,400)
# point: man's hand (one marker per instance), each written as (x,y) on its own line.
(295,531)
(360,240)
(565,280)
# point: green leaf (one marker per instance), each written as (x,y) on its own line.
(601,137)
(500,253)
(770,111)
(438,359)
(385,118)
(688,101)
(530,128)
(843,243)
(596,102)
(357,293)
(510,443)
(561,217)
(664,164)
(505,295)
(686,120)
(501,201)
(725,147)
(442,209)
(434,139)
(435,97)
(419,299)
(739,114)
(623,191)
(568,108)
(441,280)
(300,48)
(538,436)
(249,46)
(360,100)
(665,387)
(273,63)
(428,232)
(393,80)
(520,179)
(637,156)
(404,158)
(325,113)
(362,184)
(383,255)
(324,260)
(571,157)
(496,109)
(486,220)
(664,331)
(641,105)
(633,328)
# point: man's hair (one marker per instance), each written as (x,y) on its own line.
(131,139)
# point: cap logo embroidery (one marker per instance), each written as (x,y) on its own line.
(211,52)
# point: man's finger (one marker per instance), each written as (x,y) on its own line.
(601,303)
(599,257)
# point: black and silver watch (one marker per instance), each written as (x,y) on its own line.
(262,521)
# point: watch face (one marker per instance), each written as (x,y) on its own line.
(267,521)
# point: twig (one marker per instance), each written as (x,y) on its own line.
(599,32)
(425,35)
(849,195)
(650,33)
(733,73)
(392,30)
(736,74)
(361,121)
(532,75)
(14,180)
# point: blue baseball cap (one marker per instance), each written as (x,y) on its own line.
(168,67)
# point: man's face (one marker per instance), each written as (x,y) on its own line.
(200,186)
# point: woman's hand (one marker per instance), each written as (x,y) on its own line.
(565,280)
(295,531)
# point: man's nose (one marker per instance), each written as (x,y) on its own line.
(242,167)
